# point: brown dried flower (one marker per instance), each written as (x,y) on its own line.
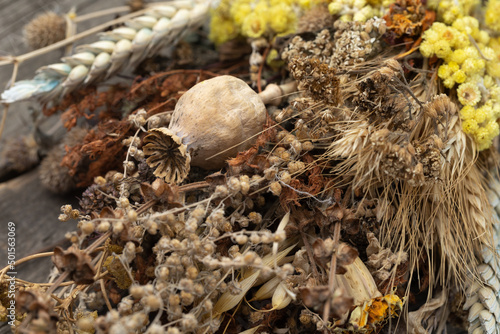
(76,262)
(45,29)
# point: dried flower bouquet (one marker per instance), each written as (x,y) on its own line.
(333,166)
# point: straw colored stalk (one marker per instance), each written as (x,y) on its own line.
(432,202)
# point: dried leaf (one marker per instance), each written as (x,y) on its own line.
(76,262)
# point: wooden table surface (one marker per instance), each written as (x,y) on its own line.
(23,200)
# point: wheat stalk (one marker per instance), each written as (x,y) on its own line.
(122,48)
(483,295)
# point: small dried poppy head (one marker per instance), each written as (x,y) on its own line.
(168,156)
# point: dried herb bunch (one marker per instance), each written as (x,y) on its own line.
(212,208)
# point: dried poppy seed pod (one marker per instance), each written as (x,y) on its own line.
(216,118)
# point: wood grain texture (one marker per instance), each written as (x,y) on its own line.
(23,200)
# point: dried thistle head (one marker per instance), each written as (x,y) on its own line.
(167,155)
(21,153)
(318,79)
(45,29)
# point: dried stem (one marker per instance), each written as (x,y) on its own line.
(331,277)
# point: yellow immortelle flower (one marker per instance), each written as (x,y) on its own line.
(470,126)
(467,112)
(491,15)
(468,94)
(254,25)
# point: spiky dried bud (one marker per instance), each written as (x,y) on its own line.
(53,176)
(45,29)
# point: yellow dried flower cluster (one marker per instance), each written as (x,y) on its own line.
(449,11)
(491,15)
(358,10)
(255,18)
(472,61)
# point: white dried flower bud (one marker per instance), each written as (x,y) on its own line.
(137,291)
(233,250)
(274,161)
(85,323)
(243,222)
(270,173)
(123,202)
(255,217)
(296,146)
(66,209)
(117,177)
(87,227)
(241,239)
(288,269)
(155,329)
(275,188)
(279,236)
(221,191)
(307,146)
(103,227)
(132,215)
(173,330)
(152,302)
(249,257)
(125,306)
(189,322)
(129,252)
(295,167)
(234,184)
(267,237)
(163,244)
(162,273)
(100,181)
(191,225)
(254,238)
(285,177)
(63,217)
(198,213)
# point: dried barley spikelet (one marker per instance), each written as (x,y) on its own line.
(216,118)
(45,29)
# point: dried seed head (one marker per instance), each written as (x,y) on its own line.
(275,188)
(307,146)
(53,176)
(45,29)
(439,106)
(167,155)
(218,115)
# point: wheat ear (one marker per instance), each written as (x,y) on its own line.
(122,48)
(482,297)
